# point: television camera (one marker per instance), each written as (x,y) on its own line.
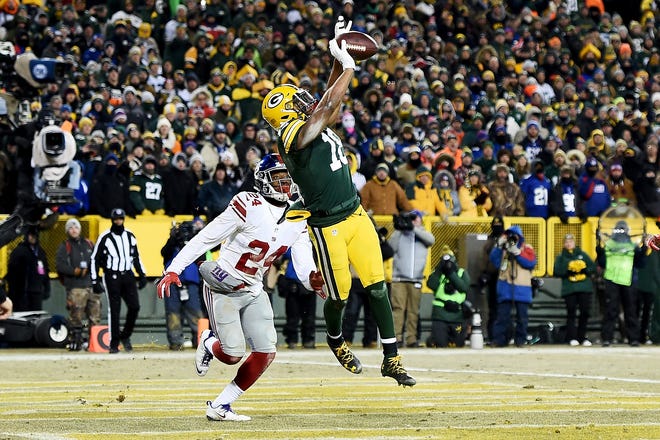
(404,221)
(48,175)
(21,77)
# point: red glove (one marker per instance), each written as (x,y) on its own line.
(163,286)
(317,283)
(654,242)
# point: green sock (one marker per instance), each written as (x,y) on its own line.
(382,310)
(332,311)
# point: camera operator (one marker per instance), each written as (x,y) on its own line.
(410,243)
(516,259)
(184,301)
(450,285)
(489,275)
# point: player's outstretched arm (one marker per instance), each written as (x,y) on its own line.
(341,27)
(327,110)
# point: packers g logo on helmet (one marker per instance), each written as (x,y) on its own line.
(285,103)
(277,107)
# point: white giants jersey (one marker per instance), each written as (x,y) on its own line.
(251,241)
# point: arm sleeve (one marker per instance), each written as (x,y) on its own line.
(560,268)
(302,258)
(495,256)
(424,236)
(461,283)
(208,238)
(440,207)
(527,258)
(95,260)
(394,241)
(434,281)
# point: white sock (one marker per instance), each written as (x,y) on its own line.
(228,395)
(209,344)
(335,337)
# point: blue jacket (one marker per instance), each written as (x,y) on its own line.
(537,196)
(515,274)
(595,195)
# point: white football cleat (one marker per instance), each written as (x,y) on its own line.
(224,413)
(203,357)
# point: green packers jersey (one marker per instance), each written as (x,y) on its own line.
(321,172)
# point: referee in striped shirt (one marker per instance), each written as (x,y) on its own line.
(116,254)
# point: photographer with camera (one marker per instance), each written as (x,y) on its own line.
(450,284)
(184,302)
(411,243)
(515,259)
(72,261)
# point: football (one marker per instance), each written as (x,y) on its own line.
(360,45)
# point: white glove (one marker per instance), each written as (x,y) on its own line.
(341,27)
(501,241)
(341,54)
(514,250)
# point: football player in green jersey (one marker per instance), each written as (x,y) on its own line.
(340,228)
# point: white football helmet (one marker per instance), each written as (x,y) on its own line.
(264,179)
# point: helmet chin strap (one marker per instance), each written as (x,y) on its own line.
(275,202)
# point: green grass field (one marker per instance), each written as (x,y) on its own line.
(540,392)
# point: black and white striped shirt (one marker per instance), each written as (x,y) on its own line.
(117,253)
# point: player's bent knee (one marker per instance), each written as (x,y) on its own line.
(335,303)
(377,290)
(231,360)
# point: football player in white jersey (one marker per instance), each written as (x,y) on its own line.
(252,237)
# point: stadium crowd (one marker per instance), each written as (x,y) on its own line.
(471,107)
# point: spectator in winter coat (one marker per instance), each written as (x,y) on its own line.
(446,185)
(109,189)
(474,197)
(383,196)
(593,190)
(179,187)
(536,189)
(532,144)
(406,173)
(214,196)
(515,259)
(146,189)
(507,198)
(646,189)
(423,195)
(565,200)
(620,187)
